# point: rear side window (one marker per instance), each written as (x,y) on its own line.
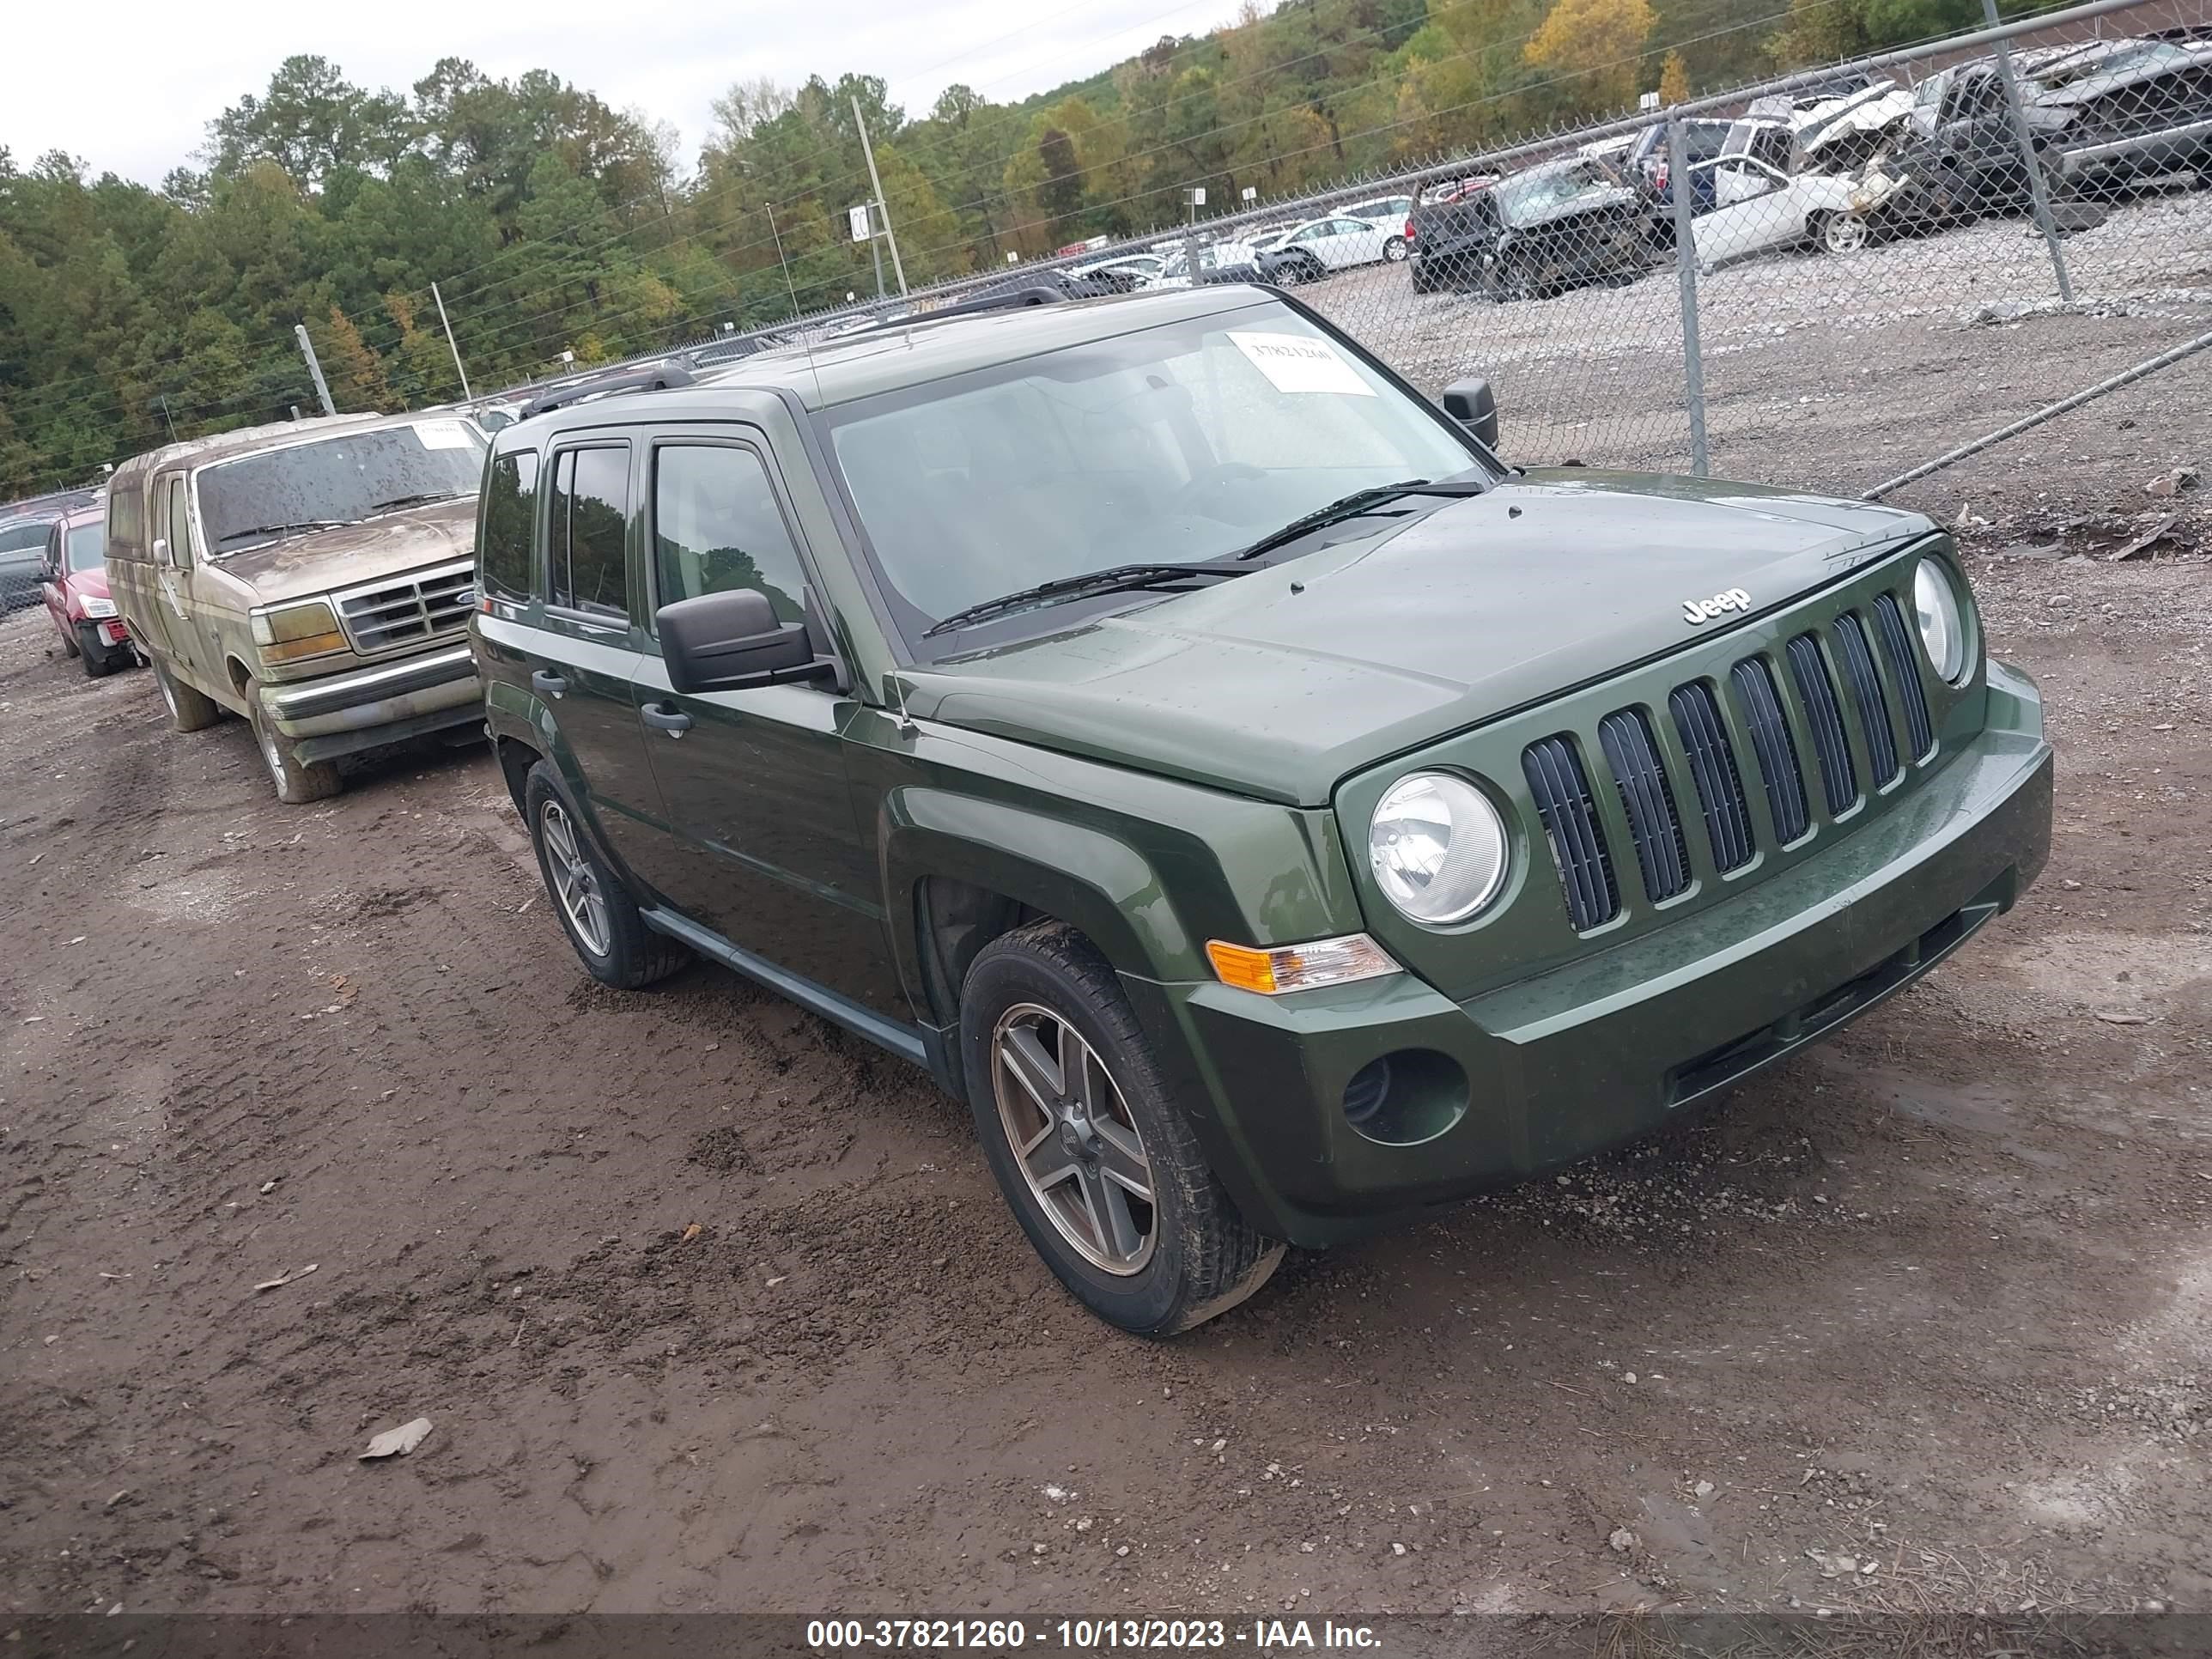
(510,517)
(125,527)
(716,528)
(587,570)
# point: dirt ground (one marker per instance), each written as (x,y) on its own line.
(714,1307)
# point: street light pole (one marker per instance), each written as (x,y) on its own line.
(882,206)
(450,346)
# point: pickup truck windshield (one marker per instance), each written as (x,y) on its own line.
(1179,444)
(338,480)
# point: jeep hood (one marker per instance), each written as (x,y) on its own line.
(389,544)
(1403,631)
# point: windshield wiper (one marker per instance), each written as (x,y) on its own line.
(1352,506)
(285,529)
(1120,579)
(398,502)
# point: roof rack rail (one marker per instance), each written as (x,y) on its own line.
(648,377)
(1006,299)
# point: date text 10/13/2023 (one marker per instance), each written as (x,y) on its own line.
(1089,1635)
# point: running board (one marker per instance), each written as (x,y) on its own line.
(904,1041)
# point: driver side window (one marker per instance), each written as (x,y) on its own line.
(179,528)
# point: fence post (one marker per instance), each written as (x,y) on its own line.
(1685,271)
(2036,193)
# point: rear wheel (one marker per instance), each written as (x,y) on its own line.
(1394,250)
(596,911)
(189,710)
(297,781)
(1098,1163)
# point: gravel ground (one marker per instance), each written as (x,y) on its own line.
(714,1307)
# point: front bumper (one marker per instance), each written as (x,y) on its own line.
(1602,1050)
(344,713)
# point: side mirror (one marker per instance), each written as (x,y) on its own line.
(1475,406)
(161,551)
(727,642)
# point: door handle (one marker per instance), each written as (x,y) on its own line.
(662,718)
(551,684)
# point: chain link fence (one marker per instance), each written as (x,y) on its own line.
(1825,280)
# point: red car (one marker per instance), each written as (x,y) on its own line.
(74,579)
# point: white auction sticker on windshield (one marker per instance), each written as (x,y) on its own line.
(1299,362)
(443,434)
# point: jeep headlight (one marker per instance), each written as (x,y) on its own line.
(287,633)
(1942,618)
(1437,847)
(96,608)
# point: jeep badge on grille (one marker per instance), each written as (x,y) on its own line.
(1695,611)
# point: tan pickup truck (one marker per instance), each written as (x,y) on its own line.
(314,577)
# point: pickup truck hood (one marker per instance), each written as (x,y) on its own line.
(1401,632)
(391,544)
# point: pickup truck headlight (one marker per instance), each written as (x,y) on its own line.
(95,607)
(287,633)
(1942,618)
(1437,847)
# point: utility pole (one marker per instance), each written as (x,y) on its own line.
(307,351)
(450,346)
(882,206)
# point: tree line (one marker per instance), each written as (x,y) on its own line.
(560,229)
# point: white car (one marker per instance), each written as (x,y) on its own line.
(1758,207)
(1312,250)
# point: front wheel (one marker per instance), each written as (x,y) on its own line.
(297,781)
(1098,1164)
(98,661)
(1843,232)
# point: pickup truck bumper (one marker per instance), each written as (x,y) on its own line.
(344,713)
(1482,1094)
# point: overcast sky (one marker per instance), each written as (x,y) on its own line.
(134,96)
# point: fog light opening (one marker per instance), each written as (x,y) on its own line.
(1404,1098)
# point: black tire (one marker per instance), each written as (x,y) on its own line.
(297,782)
(69,641)
(190,710)
(99,661)
(630,954)
(1394,250)
(1199,1259)
(1423,281)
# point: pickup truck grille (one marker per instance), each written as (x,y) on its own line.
(382,615)
(1847,716)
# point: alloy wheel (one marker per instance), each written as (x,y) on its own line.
(1844,232)
(575,883)
(1071,1134)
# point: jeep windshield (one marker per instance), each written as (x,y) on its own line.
(1182,443)
(341,480)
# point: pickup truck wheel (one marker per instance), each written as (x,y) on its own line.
(596,911)
(297,781)
(1098,1163)
(68,641)
(189,710)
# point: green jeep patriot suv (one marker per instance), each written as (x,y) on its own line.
(1272,813)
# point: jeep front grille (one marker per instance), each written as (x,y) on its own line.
(382,615)
(1563,802)
(1733,744)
